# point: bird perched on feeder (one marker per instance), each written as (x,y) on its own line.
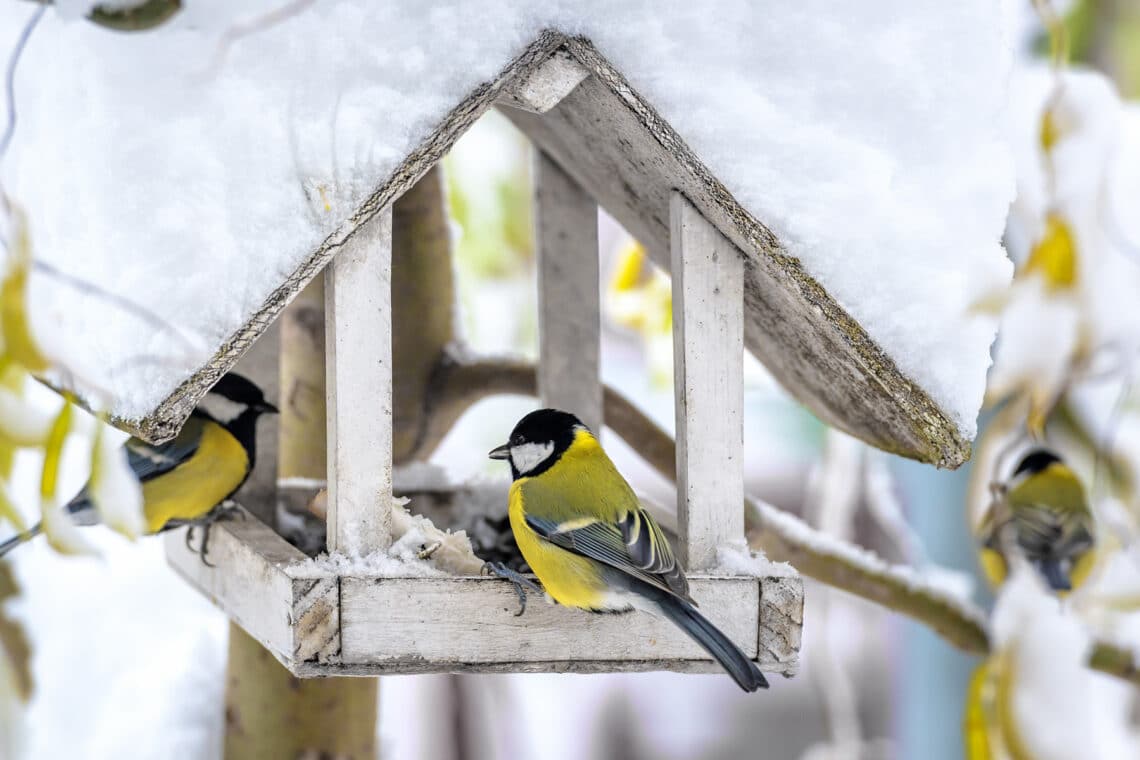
(584,534)
(187,479)
(1046,509)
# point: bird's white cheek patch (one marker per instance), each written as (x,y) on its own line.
(530,455)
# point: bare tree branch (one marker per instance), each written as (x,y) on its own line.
(781,535)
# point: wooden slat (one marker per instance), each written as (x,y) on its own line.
(708,378)
(358,344)
(405,624)
(260,366)
(566,233)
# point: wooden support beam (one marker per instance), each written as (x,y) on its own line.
(569,338)
(358,345)
(302,457)
(260,365)
(708,378)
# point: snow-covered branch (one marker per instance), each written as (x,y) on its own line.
(784,537)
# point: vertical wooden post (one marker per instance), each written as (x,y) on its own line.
(708,368)
(260,363)
(270,713)
(566,234)
(301,458)
(358,344)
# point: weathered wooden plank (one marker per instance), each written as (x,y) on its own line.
(546,86)
(569,325)
(247,578)
(358,346)
(708,382)
(402,621)
(781,623)
(302,458)
(414,666)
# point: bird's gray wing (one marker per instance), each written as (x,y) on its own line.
(604,542)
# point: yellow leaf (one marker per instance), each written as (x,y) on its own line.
(977,718)
(53,452)
(14,324)
(1004,676)
(1054,257)
(629,271)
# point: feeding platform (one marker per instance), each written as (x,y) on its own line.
(367,625)
(597,142)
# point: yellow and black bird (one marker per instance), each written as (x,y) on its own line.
(186,480)
(584,534)
(1048,512)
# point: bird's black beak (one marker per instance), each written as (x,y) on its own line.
(502,452)
(267,408)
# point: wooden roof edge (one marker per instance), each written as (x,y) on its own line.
(166,420)
(941,440)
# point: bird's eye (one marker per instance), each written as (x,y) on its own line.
(516,440)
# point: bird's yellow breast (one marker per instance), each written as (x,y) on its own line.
(199,484)
(582,484)
(569,578)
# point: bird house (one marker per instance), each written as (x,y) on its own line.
(597,143)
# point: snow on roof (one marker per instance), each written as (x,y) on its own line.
(865,136)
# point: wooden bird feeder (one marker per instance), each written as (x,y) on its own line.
(597,142)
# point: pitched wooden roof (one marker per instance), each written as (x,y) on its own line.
(613,143)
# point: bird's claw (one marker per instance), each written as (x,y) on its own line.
(226,511)
(520,582)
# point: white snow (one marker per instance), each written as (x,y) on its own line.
(1039,334)
(443,553)
(865,135)
(740,560)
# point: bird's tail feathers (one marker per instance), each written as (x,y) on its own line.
(19,538)
(745,672)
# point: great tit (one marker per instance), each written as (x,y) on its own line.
(185,480)
(1047,509)
(584,534)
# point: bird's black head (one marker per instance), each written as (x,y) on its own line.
(538,441)
(241,390)
(1036,461)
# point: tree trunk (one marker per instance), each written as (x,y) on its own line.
(271,714)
